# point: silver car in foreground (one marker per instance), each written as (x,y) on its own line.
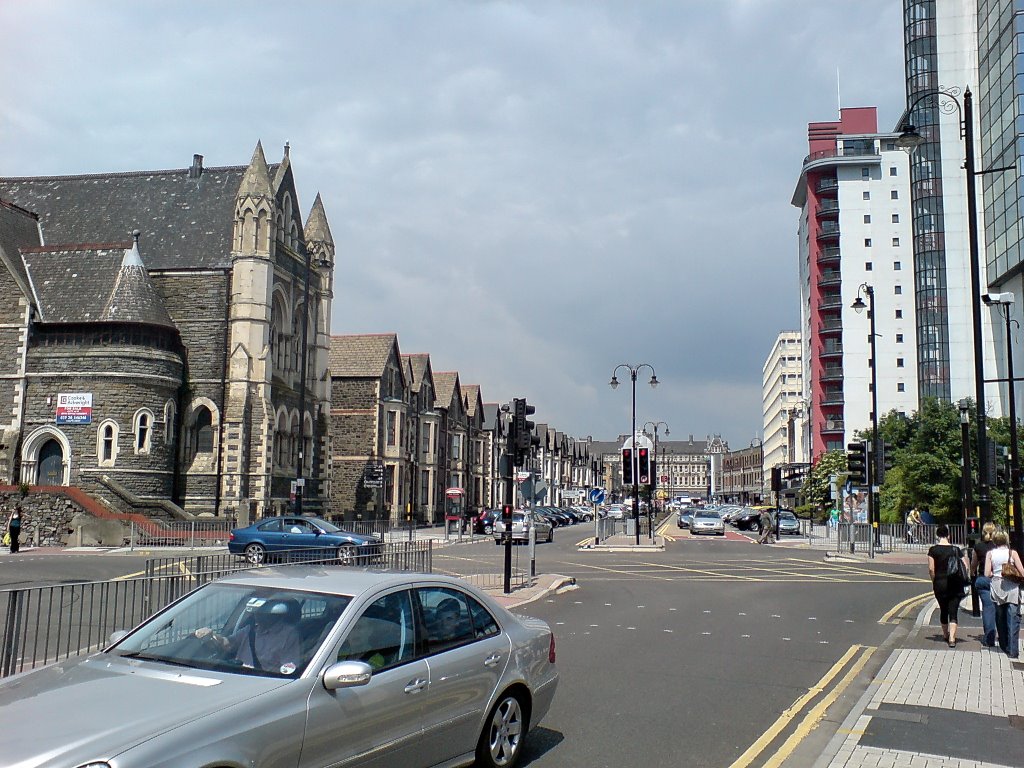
(707,521)
(296,666)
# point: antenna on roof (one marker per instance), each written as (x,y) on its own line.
(839,92)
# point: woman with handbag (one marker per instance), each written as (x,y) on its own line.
(1005,572)
(947,567)
(982,585)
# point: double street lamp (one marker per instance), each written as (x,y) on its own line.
(614,383)
(876,453)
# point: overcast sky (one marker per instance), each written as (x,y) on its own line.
(532,192)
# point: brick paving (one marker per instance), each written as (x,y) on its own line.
(981,681)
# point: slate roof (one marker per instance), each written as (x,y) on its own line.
(444,386)
(186,223)
(471,396)
(94,283)
(418,366)
(360,355)
(18,228)
(491,411)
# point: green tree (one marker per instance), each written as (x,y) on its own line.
(817,486)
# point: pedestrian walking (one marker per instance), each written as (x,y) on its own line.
(767,528)
(14,529)
(982,584)
(1005,572)
(948,568)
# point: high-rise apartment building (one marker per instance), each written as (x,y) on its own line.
(855,232)
(942,54)
(783,405)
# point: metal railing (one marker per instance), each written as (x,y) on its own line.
(861,538)
(42,625)
(193,534)
(486,573)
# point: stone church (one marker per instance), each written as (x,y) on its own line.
(164,338)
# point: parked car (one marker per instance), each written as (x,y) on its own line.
(484,522)
(174,691)
(685,518)
(707,521)
(307,538)
(615,512)
(521,523)
(788,523)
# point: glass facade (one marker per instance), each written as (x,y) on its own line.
(1001,102)
(926,206)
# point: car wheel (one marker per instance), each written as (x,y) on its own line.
(488,529)
(346,554)
(501,741)
(255,554)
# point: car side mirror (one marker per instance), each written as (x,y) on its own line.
(347,674)
(118,635)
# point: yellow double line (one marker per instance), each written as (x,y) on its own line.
(813,716)
(903,609)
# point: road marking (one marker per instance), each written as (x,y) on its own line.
(900,611)
(812,718)
(793,710)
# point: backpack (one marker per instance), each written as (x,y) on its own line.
(955,566)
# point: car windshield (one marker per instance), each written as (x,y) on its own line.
(238,628)
(787,515)
(328,527)
(706,513)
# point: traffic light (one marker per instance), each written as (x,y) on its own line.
(884,462)
(523,427)
(627,466)
(643,458)
(973,527)
(776,479)
(857,463)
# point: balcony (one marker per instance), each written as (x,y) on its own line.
(831,350)
(831,373)
(829,230)
(828,255)
(830,301)
(830,326)
(857,151)
(827,185)
(833,398)
(830,277)
(833,425)
(827,208)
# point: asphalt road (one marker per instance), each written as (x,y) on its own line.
(689,656)
(29,569)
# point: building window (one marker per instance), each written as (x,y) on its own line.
(143,431)
(106,443)
(895,218)
(392,428)
(901,387)
(867,242)
(169,414)
(899,314)
(867,218)
(897,265)
(898,289)
(868,266)
(865,173)
(865,195)
(894,194)
(899,338)
(895,242)
(892,170)
(428,431)
(202,430)
(899,362)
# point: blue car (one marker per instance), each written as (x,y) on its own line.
(302,538)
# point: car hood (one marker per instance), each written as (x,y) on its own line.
(106,704)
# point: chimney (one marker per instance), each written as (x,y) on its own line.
(197,167)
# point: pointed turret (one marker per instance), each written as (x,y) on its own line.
(282,169)
(317,228)
(256,181)
(254,208)
(133,299)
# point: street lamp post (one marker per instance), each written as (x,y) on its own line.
(965,458)
(654,475)
(1004,301)
(876,453)
(910,139)
(614,383)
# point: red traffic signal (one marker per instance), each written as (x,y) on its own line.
(506,513)
(644,466)
(627,466)
(973,526)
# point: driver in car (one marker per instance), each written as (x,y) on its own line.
(269,642)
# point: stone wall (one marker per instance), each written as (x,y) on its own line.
(46,518)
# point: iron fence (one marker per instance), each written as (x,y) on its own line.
(193,534)
(891,537)
(42,625)
(485,573)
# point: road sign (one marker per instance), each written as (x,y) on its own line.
(523,476)
(664,478)
(596,496)
(373,475)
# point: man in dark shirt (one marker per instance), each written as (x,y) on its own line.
(270,642)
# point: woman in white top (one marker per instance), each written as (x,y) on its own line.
(1006,592)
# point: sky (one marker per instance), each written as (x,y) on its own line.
(531,192)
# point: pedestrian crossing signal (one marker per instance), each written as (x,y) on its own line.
(627,466)
(644,464)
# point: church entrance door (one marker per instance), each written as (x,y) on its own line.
(51,464)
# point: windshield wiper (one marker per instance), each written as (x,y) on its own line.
(149,657)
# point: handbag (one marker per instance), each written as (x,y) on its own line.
(7,539)
(1011,572)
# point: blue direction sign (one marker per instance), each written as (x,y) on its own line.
(596,495)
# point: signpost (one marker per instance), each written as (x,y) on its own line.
(596,497)
(74,408)
(373,475)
